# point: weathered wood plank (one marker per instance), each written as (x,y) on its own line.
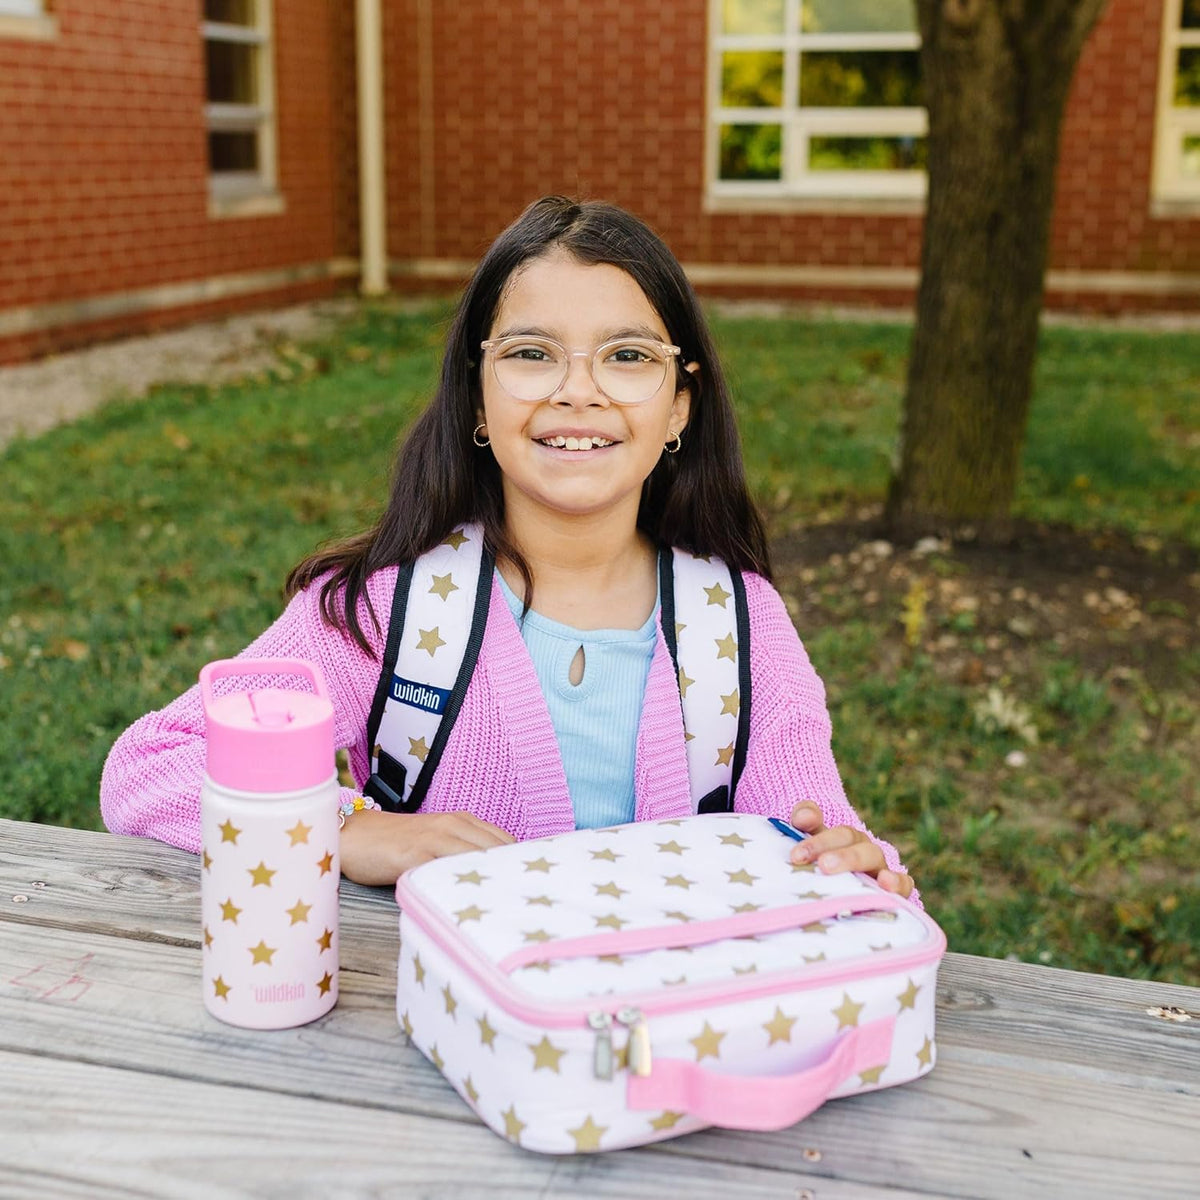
(79,1130)
(1050,1132)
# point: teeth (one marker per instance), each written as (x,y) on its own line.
(573,443)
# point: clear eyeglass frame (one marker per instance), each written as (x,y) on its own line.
(494,350)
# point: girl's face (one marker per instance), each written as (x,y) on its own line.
(581,306)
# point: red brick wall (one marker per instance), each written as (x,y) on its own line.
(103,158)
(536,96)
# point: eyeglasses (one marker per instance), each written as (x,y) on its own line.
(626,370)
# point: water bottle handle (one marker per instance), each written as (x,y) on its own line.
(226,668)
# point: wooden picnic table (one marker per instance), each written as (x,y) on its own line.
(114,1081)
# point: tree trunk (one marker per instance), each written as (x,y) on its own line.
(996,73)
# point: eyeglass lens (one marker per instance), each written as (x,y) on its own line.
(627,372)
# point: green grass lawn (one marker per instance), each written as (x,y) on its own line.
(153,536)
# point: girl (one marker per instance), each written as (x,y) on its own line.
(582,422)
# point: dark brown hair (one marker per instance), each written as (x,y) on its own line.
(696,499)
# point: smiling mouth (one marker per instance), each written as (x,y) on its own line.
(572,443)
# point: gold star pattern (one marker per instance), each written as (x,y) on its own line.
(587,1136)
(326,863)
(261,874)
(470,877)
(299,833)
(871,1074)
(806,868)
(684,682)
(606,854)
(847,1012)
(730,704)
(545,901)
(717,595)
(908,997)
(471,913)
(750,970)
(748,907)
(512,1125)
(230,911)
(262,953)
(406,1024)
(539,864)
(418,971)
(814,927)
(325,983)
(609,889)
(676,915)
(418,749)
(430,641)
(487,1035)
(925,1054)
(208,938)
(666,1120)
(615,959)
(325,941)
(741,876)
(810,895)
(299,912)
(733,839)
(451,1003)
(670,821)
(679,628)
(779,1027)
(546,1055)
(457,539)
(674,982)
(880,949)
(678,881)
(671,847)
(536,935)
(612,921)
(707,1043)
(726,647)
(220,988)
(816,958)
(435,1057)
(228,832)
(469,1088)
(206,860)
(443,585)
(724,756)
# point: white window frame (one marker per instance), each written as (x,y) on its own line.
(801,124)
(1174,123)
(246,192)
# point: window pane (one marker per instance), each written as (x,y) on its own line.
(861,78)
(752,16)
(1190,17)
(866,153)
(230,12)
(231,75)
(860,16)
(1187,77)
(751,151)
(1190,163)
(233,152)
(752,79)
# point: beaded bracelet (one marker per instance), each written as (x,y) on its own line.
(348,808)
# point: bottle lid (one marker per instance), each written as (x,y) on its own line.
(269,739)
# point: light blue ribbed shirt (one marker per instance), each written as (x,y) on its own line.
(596,722)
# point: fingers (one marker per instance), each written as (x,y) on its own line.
(807,817)
(828,840)
(895,882)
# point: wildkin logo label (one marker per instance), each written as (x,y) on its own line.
(418,695)
(278,993)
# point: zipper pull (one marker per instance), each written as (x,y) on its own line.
(637,1052)
(602,1058)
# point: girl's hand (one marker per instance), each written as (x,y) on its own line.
(843,849)
(378,847)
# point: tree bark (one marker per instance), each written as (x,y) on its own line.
(997,74)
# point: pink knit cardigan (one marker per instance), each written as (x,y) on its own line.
(501,760)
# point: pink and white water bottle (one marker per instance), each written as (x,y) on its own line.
(269,865)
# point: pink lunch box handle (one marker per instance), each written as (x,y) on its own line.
(760,1102)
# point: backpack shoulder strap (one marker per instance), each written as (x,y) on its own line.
(438,618)
(706,625)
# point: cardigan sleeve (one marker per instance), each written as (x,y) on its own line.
(790,757)
(150,785)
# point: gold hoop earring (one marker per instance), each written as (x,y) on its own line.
(475,436)
(678,440)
